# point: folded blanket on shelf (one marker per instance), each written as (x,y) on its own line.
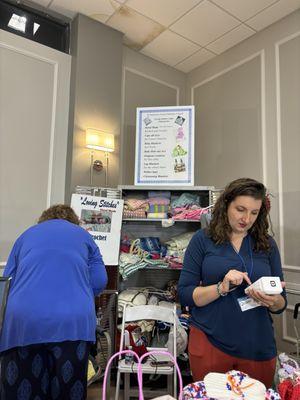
(134,214)
(157,263)
(158,200)
(185,199)
(190,214)
(180,242)
(129,264)
(152,245)
(148,248)
(157,215)
(135,204)
(158,208)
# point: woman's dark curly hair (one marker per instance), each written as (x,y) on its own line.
(219,229)
(59,211)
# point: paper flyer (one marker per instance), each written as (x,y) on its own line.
(165,146)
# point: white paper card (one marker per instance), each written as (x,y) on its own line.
(247,303)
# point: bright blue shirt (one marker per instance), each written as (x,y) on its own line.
(56,270)
(248,334)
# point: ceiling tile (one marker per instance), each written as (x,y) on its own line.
(205,23)
(244,9)
(195,60)
(104,8)
(165,12)
(138,30)
(170,48)
(273,14)
(230,39)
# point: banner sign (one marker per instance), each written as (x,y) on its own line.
(102,218)
(164,152)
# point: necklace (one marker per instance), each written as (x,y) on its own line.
(242,258)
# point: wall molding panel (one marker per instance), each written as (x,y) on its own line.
(285,336)
(152,78)
(54,101)
(124,91)
(293,268)
(261,55)
(48,128)
(292,289)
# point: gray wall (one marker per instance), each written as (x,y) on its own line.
(228,126)
(146,83)
(95,97)
(108,82)
(34,105)
(247,123)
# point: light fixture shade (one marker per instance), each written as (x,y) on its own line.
(98,140)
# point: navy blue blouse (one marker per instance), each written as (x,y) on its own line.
(247,334)
(56,270)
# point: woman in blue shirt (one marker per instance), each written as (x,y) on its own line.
(50,321)
(220,262)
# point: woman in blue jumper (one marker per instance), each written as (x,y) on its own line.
(220,262)
(50,321)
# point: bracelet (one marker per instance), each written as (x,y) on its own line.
(222,294)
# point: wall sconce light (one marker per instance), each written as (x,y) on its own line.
(98,140)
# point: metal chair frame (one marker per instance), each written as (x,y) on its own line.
(147,312)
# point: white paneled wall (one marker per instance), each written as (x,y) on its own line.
(34,106)
(287,57)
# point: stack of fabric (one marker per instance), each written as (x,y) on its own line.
(186,206)
(158,204)
(141,253)
(135,208)
(129,264)
(176,248)
(148,252)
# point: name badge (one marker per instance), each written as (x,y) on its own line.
(247,303)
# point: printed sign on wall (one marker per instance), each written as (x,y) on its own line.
(164,153)
(102,218)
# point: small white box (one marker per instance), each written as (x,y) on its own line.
(267,285)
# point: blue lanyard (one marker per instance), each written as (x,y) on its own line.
(243,261)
